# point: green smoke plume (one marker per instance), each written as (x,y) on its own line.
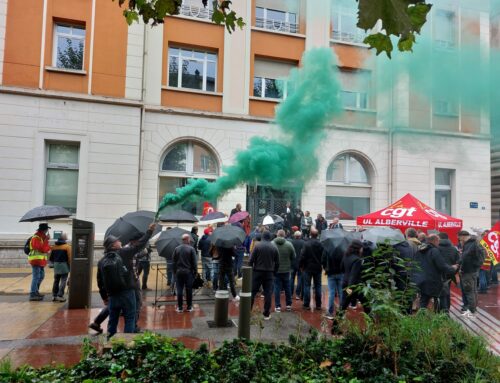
(301,119)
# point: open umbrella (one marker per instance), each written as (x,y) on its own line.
(169,240)
(45,213)
(228,236)
(211,218)
(272,219)
(383,234)
(178,216)
(238,217)
(335,240)
(131,224)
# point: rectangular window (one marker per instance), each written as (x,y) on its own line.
(356,87)
(276,20)
(192,69)
(443,190)
(61,178)
(445,107)
(445,29)
(270,78)
(346,207)
(344,25)
(69,46)
(195,8)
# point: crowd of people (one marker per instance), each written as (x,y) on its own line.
(287,257)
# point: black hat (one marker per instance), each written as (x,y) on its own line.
(43,227)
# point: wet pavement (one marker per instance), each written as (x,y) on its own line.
(41,333)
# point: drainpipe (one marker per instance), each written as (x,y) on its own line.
(390,163)
(143,117)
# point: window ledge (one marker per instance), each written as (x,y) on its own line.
(369,111)
(65,70)
(185,90)
(449,115)
(272,100)
(352,185)
(360,45)
(299,35)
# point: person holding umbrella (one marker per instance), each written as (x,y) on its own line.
(184,267)
(37,258)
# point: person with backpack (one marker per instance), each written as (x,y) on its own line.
(61,257)
(39,249)
(117,282)
(470,262)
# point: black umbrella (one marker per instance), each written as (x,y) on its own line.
(215,217)
(45,213)
(382,234)
(335,240)
(228,236)
(178,216)
(132,224)
(169,240)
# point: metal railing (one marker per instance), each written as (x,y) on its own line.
(276,25)
(196,11)
(347,37)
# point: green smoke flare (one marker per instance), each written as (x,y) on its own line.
(301,118)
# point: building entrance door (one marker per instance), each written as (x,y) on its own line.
(264,200)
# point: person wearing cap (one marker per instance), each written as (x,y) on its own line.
(123,300)
(37,258)
(265,263)
(206,259)
(184,268)
(61,256)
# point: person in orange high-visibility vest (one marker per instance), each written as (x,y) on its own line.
(37,258)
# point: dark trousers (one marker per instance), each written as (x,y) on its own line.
(59,284)
(144,266)
(138,302)
(184,279)
(348,299)
(469,285)
(444,298)
(306,279)
(123,302)
(282,280)
(264,279)
(101,317)
(300,290)
(238,263)
(226,271)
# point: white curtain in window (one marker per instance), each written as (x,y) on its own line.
(272,69)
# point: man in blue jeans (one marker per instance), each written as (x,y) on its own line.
(119,292)
(282,277)
(331,261)
(310,264)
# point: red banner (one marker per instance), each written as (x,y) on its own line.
(207,209)
(491,243)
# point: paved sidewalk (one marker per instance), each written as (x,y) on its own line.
(40,333)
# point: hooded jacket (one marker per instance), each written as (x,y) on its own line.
(39,249)
(298,244)
(449,253)
(471,259)
(204,246)
(433,270)
(265,257)
(332,261)
(310,259)
(286,254)
(351,266)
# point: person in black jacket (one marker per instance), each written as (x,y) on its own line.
(332,262)
(351,265)
(405,270)
(451,257)
(470,262)
(206,259)
(264,261)
(298,244)
(226,256)
(310,264)
(433,270)
(184,268)
(122,301)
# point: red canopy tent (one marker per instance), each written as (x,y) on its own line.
(411,212)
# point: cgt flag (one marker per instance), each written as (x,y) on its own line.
(207,209)
(491,243)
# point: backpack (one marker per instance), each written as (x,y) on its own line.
(114,273)
(27,247)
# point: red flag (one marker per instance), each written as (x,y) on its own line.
(207,209)
(491,243)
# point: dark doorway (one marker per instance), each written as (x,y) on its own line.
(264,200)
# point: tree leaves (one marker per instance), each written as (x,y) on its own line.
(155,11)
(399,18)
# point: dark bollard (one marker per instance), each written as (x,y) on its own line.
(221,308)
(245,303)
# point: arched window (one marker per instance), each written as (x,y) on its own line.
(348,188)
(184,160)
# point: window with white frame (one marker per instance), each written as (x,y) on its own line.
(344,23)
(270,78)
(192,69)
(61,176)
(185,160)
(445,107)
(445,29)
(69,46)
(195,8)
(444,189)
(348,188)
(276,20)
(356,88)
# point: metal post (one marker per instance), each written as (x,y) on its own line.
(221,308)
(245,303)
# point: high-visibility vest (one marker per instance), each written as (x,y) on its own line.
(35,254)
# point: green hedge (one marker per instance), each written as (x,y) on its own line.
(421,348)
